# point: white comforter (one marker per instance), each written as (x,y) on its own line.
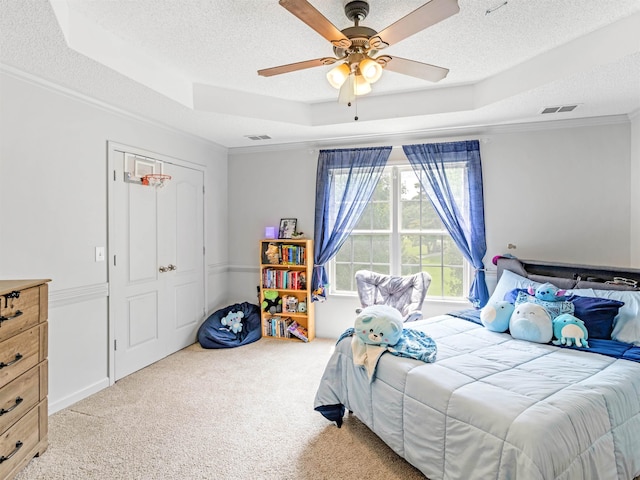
(492,407)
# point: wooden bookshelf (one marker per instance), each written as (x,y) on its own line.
(286,266)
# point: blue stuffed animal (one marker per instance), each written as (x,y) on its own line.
(233,321)
(495,315)
(531,322)
(570,330)
(379,325)
(548,292)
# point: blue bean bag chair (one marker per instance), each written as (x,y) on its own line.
(231,326)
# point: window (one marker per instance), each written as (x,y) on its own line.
(400,233)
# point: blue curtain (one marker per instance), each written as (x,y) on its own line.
(339,207)
(463,218)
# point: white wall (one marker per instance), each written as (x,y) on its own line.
(53,196)
(263,188)
(635,189)
(556,191)
(559,194)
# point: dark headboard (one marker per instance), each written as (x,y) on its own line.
(568,276)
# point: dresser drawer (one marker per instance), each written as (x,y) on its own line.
(19,444)
(19,313)
(18,354)
(18,397)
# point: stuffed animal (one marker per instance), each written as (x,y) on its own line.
(548,292)
(272,302)
(233,321)
(531,322)
(273,253)
(570,330)
(556,306)
(379,325)
(495,316)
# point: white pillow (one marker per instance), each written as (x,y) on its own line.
(626,324)
(508,281)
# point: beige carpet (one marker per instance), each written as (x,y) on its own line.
(240,413)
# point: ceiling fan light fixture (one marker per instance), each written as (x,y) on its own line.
(337,75)
(347,92)
(370,70)
(362,86)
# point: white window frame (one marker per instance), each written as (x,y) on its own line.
(397,161)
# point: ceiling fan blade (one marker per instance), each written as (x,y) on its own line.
(292,67)
(416,69)
(312,17)
(428,14)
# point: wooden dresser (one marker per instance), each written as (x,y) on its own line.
(23,373)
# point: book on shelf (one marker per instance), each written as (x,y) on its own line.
(292,254)
(298,331)
(277,327)
(284,279)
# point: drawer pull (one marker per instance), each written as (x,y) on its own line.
(17,314)
(7,410)
(17,359)
(15,450)
(14,294)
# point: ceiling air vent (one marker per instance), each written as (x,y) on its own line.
(559,109)
(258,137)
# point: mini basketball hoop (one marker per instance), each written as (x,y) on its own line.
(155,179)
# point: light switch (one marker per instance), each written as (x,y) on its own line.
(99,254)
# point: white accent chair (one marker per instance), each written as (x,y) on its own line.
(404,293)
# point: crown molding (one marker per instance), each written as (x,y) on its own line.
(437,133)
(104,106)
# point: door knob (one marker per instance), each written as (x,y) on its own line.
(163,269)
(172,267)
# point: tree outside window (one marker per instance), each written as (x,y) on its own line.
(400,233)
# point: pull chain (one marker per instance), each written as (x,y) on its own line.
(355,102)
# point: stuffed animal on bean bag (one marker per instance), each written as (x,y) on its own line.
(272,302)
(570,330)
(531,322)
(547,292)
(495,316)
(233,321)
(379,325)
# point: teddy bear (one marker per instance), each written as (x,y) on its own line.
(379,325)
(570,330)
(233,321)
(495,316)
(272,302)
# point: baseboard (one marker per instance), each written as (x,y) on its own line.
(77,396)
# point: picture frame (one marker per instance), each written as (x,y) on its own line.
(287,227)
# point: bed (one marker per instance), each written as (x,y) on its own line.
(495,407)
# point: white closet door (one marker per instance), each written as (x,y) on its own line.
(181,251)
(157,267)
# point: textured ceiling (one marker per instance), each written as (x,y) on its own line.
(191,64)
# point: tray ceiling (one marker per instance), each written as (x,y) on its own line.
(192,64)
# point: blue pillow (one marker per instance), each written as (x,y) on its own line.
(511,295)
(596,313)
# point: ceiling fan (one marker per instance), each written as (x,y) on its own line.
(357,47)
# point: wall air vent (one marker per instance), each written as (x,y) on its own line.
(258,137)
(559,109)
